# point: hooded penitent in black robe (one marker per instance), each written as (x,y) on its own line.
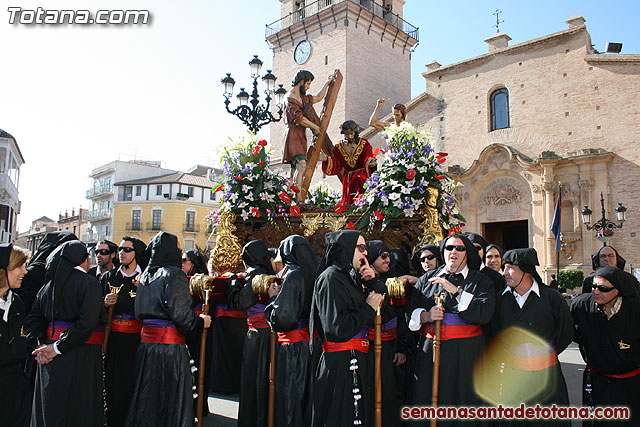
(610,347)
(595,263)
(394,334)
(15,348)
(457,355)
(163,394)
(69,389)
(195,337)
(288,315)
(254,381)
(529,361)
(341,313)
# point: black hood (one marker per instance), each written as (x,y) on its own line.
(375,248)
(491,245)
(473,257)
(141,250)
(5,254)
(476,238)
(60,264)
(256,254)
(114,248)
(340,248)
(526,259)
(296,251)
(198,261)
(435,250)
(163,251)
(595,259)
(624,283)
(48,244)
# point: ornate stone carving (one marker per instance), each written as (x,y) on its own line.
(568,243)
(536,188)
(498,160)
(585,189)
(502,193)
(526,176)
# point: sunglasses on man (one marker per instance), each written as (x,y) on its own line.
(362,248)
(602,288)
(427,258)
(104,251)
(126,249)
(459,248)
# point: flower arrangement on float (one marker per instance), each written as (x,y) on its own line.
(400,185)
(250,189)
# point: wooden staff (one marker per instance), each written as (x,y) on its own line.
(327,110)
(377,355)
(107,328)
(203,347)
(272,380)
(436,362)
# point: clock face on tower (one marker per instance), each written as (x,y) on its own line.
(302,52)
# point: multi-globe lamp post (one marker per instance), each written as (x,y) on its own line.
(603,227)
(249,110)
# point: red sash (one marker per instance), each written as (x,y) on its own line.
(359,344)
(97,337)
(126,326)
(535,363)
(449,332)
(168,335)
(294,336)
(257,321)
(387,335)
(627,375)
(221,312)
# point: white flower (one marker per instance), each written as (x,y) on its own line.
(233,197)
(395,196)
(397,203)
(244,215)
(394,183)
(245,188)
(408,212)
(249,196)
(242,205)
(405,190)
(266,196)
(250,165)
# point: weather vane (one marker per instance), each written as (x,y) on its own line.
(498,21)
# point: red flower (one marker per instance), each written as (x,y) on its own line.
(285,197)
(440,177)
(376,151)
(255,212)
(262,143)
(358,199)
(239,178)
(379,216)
(411,173)
(441,157)
(441,154)
(350,225)
(294,210)
(256,150)
(295,189)
(340,208)
(218,188)
(260,163)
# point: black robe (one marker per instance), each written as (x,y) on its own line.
(547,316)
(457,356)
(163,394)
(602,345)
(254,377)
(120,359)
(340,313)
(289,311)
(15,348)
(69,389)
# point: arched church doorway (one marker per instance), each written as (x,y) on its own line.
(507,234)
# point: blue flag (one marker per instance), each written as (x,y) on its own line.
(555,227)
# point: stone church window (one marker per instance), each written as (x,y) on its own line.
(500,109)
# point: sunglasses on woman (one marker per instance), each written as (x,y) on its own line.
(427,258)
(126,249)
(459,248)
(602,288)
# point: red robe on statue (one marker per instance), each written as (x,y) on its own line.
(352,169)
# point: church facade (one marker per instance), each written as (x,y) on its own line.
(521,123)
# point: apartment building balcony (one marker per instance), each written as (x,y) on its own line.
(99,191)
(337,8)
(95,237)
(97,215)
(7,188)
(154,226)
(133,226)
(191,228)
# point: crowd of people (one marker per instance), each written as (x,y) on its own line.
(116,345)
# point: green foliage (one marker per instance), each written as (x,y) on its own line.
(570,279)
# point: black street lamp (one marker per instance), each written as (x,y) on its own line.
(255,116)
(604,228)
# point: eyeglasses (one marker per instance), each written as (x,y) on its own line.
(126,249)
(362,248)
(104,251)
(607,256)
(427,258)
(185,260)
(385,255)
(602,288)
(459,248)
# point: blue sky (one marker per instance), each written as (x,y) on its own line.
(77,96)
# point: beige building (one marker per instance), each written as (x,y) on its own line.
(518,120)
(74,222)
